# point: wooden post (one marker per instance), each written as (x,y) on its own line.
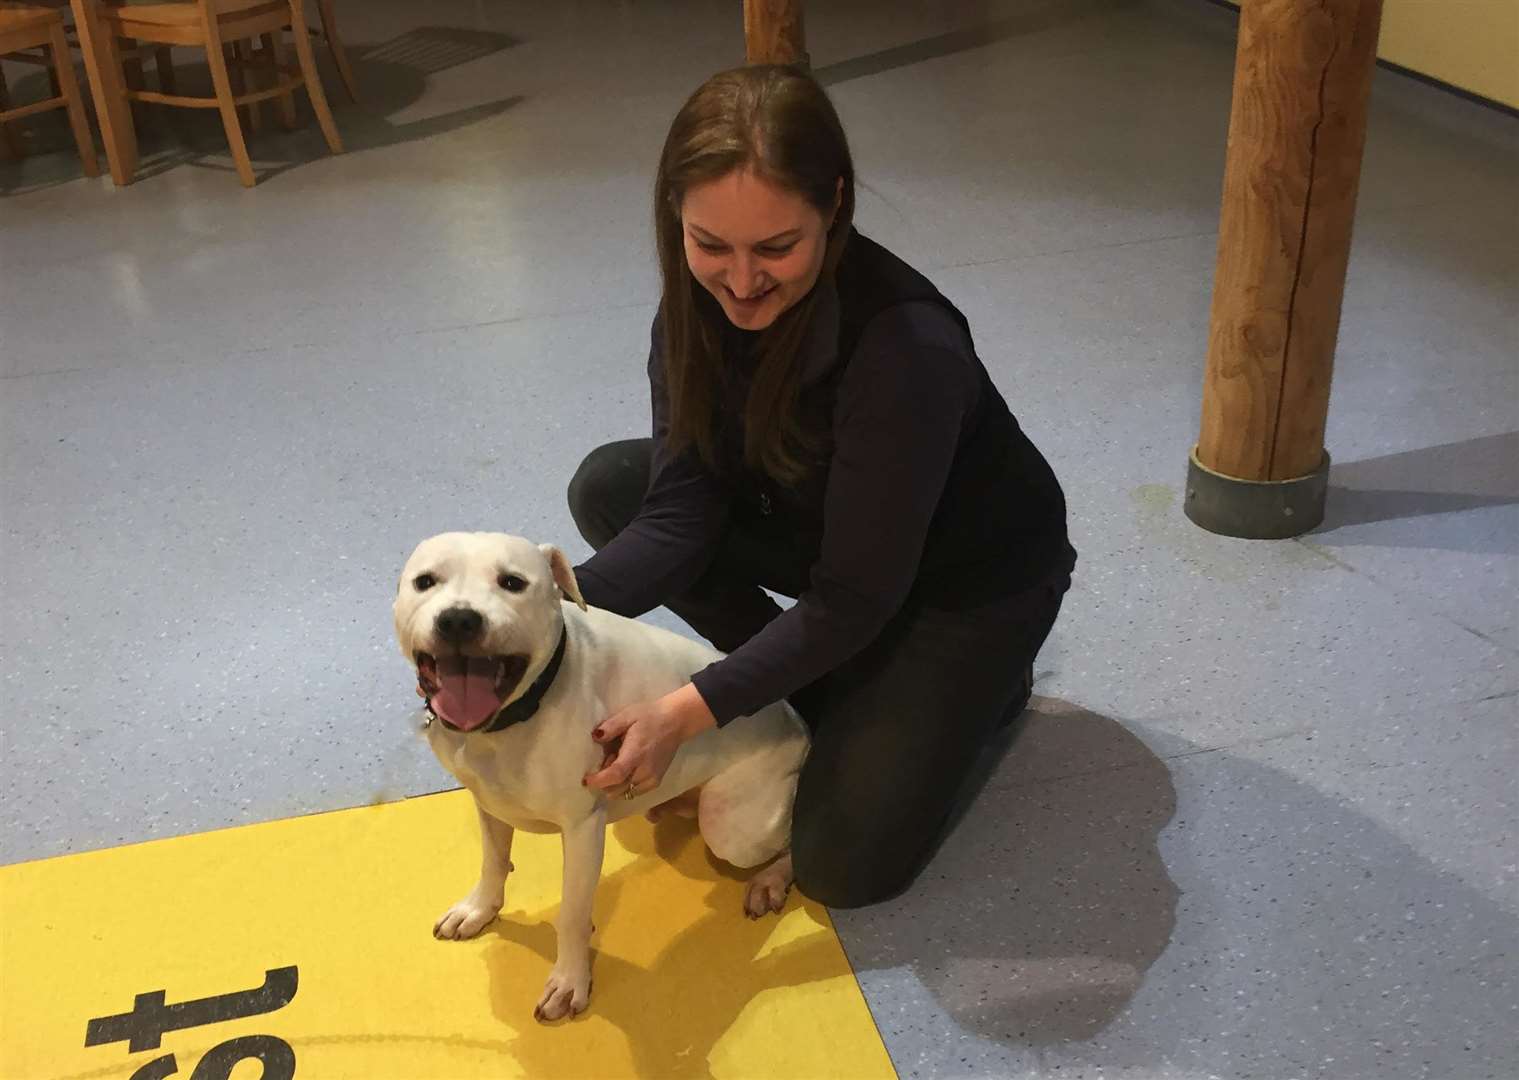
(773,32)
(1302,78)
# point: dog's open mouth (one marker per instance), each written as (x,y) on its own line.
(466,691)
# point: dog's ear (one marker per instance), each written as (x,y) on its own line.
(564,576)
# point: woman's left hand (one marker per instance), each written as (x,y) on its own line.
(650,735)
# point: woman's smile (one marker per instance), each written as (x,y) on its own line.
(756,247)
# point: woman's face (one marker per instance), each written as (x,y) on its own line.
(756,247)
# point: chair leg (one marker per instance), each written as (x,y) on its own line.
(235,77)
(275,50)
(102,63)
(302,36)
(237,66)
(63,65)
(223,84)
(335,46)
(132,75)
(8,133)
(163,63)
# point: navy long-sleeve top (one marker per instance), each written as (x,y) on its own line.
(901,413)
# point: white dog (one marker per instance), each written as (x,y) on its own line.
(516,679)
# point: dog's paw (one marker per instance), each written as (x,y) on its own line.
(768,889)
(465,919)
(565,994)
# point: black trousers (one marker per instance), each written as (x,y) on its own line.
(896,729)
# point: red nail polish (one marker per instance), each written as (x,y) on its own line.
(598,735)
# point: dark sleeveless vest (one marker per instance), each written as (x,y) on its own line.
(1000,523)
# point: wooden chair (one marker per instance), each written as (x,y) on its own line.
(335,47)
(215,25)
(244,54)
(26,28)
(132,55)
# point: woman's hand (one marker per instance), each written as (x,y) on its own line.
(641,740)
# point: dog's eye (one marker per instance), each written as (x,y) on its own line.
(511,582)
(423,582)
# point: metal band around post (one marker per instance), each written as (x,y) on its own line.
(1255,509)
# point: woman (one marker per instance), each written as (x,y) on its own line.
(823,429)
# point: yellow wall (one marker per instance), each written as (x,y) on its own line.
(1473,44)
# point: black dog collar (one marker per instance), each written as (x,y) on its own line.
(525,707)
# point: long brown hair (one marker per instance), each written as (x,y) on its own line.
(778,122)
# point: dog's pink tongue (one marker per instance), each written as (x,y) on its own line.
(467,692)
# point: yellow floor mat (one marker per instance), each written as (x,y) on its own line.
(306,945)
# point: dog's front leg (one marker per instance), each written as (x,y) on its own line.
(472,914)
(569,986)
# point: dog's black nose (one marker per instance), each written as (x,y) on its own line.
(460,625)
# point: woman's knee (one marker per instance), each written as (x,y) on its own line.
(852,868)
(607,489)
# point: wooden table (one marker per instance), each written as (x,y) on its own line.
(102,65)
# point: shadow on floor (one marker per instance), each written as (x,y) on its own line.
(1059,894)
(1398,500)
(1049,901)
(1039,18)
(391,77)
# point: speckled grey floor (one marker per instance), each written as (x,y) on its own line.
(1261,822)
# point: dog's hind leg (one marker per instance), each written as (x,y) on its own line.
(472,914)
(745,828)
(748,827)
(745,818)
(744,812)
